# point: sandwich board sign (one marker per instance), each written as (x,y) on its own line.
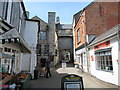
(72,82)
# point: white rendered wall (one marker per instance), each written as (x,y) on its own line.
(111,77)
(30,36)
(9,11)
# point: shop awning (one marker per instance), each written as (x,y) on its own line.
(3,55)
(13,34)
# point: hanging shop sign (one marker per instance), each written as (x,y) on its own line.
(102,45)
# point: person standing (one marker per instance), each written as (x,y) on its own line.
(48,62)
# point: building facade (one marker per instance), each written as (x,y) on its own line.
(47,39)
(65,42)
(12,27)
(42,41)
(29,61)
(90,22)
(104,58)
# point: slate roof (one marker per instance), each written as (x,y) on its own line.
(64,26)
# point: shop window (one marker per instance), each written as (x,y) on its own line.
(13,51)
(5,49)
(9,50)
(104,60)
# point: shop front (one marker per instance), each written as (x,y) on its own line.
(81,59)
(11,47)
(104,56)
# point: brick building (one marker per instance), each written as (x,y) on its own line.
(90,22)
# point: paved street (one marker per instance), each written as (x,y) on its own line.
(58,73)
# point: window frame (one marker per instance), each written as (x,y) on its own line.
(103,60)
(43,35)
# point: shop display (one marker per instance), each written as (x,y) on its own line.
(5,77)
(21,79)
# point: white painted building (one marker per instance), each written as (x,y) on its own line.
(104,56)
(12,26)
(13,45)
(30,35)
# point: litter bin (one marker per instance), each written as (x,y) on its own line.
(72,82)
(35,74)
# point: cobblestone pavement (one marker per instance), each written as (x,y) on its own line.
(58,73)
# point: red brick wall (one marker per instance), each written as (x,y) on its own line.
(98,17)
(80,25)
(96,22)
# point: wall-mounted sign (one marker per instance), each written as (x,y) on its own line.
(102,45)
(92,58)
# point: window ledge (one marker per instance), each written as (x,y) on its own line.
(110,71)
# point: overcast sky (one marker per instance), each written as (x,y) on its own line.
(65,10)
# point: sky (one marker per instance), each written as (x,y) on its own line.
(65,10)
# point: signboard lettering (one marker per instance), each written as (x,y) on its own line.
(102,45)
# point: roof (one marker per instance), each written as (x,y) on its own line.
(109,33)
(13,33)
(64,26)
(4,25)
(78,14)
(37,18)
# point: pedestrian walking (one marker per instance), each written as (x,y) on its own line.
(48,62)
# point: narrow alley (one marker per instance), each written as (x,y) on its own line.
(38,37)
(54,82)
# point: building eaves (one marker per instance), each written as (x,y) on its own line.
(82,46)
(109,33)
(32,20)
(64,26)
(37,18)
(78,14)
(13,33)
(4,25)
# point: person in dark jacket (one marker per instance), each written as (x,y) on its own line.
(48,62)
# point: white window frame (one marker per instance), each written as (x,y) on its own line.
(103,59)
